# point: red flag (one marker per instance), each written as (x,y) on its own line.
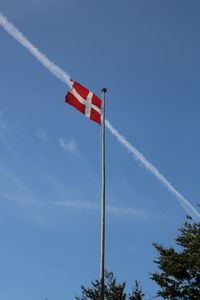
(84,101)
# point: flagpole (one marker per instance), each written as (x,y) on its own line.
(102,255)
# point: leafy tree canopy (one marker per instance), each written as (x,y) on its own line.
(113,290)
(180,270)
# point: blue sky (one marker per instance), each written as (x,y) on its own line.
(146,53)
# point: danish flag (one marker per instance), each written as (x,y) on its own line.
(84,101)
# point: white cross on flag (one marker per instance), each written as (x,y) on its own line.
(84,101)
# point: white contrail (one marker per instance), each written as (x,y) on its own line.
(63,76)
(139,157)
(51,66)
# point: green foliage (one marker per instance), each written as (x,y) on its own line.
(180,270)
(113,290)
(179,276)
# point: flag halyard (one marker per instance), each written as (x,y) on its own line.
(85,101)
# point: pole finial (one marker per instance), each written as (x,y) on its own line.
(104,90)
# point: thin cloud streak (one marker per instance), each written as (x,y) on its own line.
(85,205)
(135,214)
(109,208)
(17,35)
(139,157)
(77,204)
(127,211)
(19,198)
(60,74)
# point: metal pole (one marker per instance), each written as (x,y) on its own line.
(102,257)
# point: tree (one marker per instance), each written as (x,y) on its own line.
(180,270)
(113,290)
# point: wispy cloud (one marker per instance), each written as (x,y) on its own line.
(19,198)
(36,216)
(87,205)
(77,204)
(41,134)
(127,211)
(69,146)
